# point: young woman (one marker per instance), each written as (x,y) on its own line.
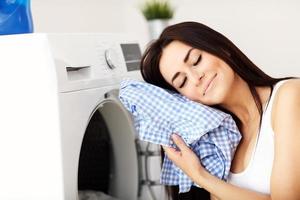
(205,66)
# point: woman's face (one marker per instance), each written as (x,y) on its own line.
(196,74)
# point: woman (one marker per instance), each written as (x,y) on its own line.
(202,64)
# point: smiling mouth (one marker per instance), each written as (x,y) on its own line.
(211,80)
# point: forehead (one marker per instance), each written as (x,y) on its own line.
(172,58)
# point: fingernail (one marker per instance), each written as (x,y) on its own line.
(175,136)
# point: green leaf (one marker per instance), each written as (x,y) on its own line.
(157,9)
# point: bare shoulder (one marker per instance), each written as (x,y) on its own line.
(292,85)
(286,127)
(286,103)
(287,92)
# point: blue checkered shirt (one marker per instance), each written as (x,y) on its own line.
(157,113)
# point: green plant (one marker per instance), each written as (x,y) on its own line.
(156,9)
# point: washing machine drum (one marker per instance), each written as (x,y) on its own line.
(108,163)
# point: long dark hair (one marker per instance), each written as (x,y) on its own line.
(202,37)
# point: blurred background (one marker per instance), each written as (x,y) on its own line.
(266,31)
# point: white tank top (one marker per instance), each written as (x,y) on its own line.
(257,175)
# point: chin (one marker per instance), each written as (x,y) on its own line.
(213,99)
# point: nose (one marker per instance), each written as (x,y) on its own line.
(196,77)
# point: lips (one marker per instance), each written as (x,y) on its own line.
(208,84)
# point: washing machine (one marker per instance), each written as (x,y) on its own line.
(64,134)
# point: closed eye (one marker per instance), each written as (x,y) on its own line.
(198,60)
(196,63)
(183,82)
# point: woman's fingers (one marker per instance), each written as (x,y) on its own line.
(179,142)
(184,158)
(171,152)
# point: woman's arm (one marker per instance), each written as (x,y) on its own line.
(187,160)
(285,180)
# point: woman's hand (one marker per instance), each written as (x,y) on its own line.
(185,159)
(190,164)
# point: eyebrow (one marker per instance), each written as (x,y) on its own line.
(187,55)
(184,60)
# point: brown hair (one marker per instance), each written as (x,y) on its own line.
(202,37)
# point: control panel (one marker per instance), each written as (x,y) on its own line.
(95,59)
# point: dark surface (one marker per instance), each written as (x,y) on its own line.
(94,160)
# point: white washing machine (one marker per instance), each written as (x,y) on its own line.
(63,130)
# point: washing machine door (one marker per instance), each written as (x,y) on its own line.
(124,179)
(118,159)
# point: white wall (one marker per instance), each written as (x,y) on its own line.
(266,31)
(89,16)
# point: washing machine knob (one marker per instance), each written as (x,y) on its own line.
(111,58)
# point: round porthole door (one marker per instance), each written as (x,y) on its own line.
(108,163)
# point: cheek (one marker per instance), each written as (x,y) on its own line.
(191,94)
(224,83)
(229,78)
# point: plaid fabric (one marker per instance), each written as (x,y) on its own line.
(157,113)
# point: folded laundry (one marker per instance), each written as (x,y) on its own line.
(157,113)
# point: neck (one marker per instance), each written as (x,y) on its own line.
(245,108)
